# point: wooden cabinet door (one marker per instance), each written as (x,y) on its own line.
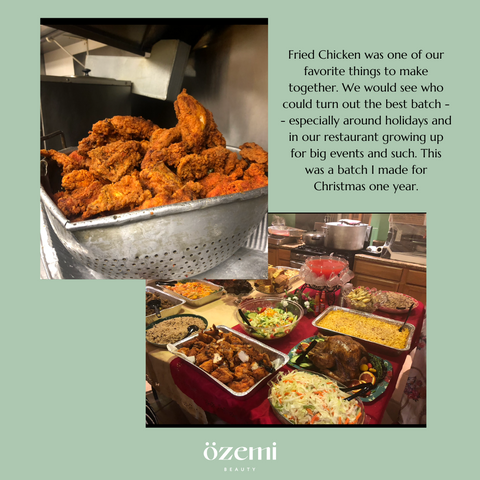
(373,282)
(283,258)
(420,293)
(273,256)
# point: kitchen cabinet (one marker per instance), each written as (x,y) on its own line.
(385,274)
(279,257)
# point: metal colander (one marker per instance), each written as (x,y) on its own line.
(170,242)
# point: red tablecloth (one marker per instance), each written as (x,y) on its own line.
(255,409)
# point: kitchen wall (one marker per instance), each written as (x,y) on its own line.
(228,73)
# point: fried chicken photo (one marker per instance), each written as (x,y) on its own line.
(129,163)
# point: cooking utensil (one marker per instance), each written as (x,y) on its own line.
(156,304)
(303,355)
(406,318)
(345,235)
(363,388)
(166,299)
(191,329)
(314,238)
(171,242)
(244,318)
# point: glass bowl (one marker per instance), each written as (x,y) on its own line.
(268,333)
(363,299)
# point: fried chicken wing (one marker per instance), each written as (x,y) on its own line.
(82,188)
(223,374)
(126,193)
(253,153)
(71,162)
(164,137)
(133,128)
(116,159)
(192,121)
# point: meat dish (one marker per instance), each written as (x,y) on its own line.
(339,357)
(228,358)
(128,163)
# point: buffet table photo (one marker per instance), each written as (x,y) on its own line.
(197,394)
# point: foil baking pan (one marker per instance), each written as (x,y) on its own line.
(369,345)
(165,312)
(277,358)
(199,301)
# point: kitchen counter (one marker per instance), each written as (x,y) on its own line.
(390,262)
(393,275)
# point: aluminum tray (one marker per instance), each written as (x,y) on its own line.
(276,356)
(369,344)
(200,301)
(169,242)
(166,312)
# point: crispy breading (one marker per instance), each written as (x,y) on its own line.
(116,159)
(253,153)
(69,163)
(127,192)
(164,137)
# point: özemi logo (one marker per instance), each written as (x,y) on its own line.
(239,453)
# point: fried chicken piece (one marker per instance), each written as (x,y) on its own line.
(207,366)
(78,179)
(116,159)
(253,153)
(259,373)
(233,163)
(160,179)
(82,188)
(242,371)
(217,157)
(115,129)
(170,155)
(223,374)
(71,162)
(242,385)
(197,166)
(164,137)
(193,121)
(133,128)
(127,192)
(214,137)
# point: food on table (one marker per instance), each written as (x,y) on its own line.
(339,357)
(128,163)
(367,328)
(270,322)
(396,300)
(305,398)
(278,280)
(363,298)
(228,358)
(173,330)
(236,287)
(165,303)
(192,290)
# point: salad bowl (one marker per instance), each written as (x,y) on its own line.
(269,317)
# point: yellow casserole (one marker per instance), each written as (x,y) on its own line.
(366,328)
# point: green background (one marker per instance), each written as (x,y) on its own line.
(73,351)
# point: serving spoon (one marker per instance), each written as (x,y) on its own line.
(156,304)
(408,314)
